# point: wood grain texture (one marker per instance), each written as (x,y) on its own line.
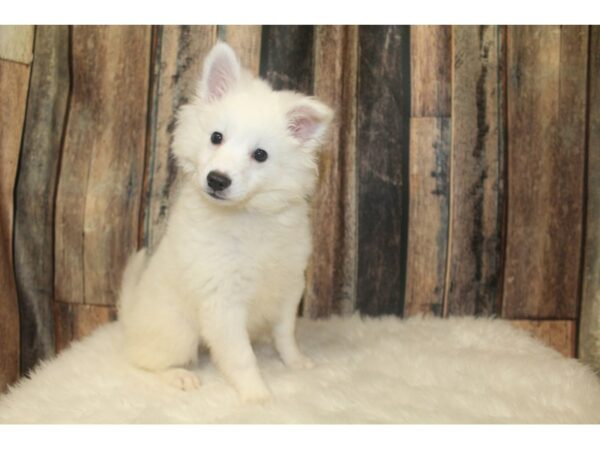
(547,68)
(14,81)
(246,42)
(286,57)
(382,167)
(75,321)
(97,205)
(178,52)
(431,70)
(430,140)
(477,172)
(430,137)
(16,43)
(558,334)
(331,272)
(35,191)
(589,335)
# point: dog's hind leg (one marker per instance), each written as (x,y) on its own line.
(160,340)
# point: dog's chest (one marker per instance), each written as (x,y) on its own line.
(245,257)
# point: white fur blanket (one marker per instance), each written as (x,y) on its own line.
(367,371)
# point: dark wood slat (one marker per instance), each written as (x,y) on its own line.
(331,273)
(35,191)
(430,140)
(286,57)
(75,321)
(177,66)
(382,166)
(431,70)
(14,81)
(589,338)
(546,137)
(97,207)
(477,165)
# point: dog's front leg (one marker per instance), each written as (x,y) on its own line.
(227,337)
(284,332)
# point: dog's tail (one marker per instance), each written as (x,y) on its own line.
(131,276)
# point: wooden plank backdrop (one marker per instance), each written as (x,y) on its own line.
(589,341)
(14,80)
(382,137)
(429,158)
(36,189)
(546,103)
(477,172)
(460,177)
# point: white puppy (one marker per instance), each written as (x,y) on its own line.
(232,261)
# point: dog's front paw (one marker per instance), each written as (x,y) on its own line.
(256,394)
(300,362)
(183,379)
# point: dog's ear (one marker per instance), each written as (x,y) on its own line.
(308,121)
(221,72)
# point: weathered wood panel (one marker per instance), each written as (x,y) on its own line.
(35,191)
(97,206)
(331,272)
(430,140)
(558,334)
(76,321)
(286,57)
(14,80)
(430,54)
(178,52)
(477,165)
(382,166)
(589,341)
(546,135)
(431,70)
(16,43)
(246,41)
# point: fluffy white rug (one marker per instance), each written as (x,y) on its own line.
(461,370)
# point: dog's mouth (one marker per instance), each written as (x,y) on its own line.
(216,195)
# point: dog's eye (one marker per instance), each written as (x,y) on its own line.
(216,138)
(260,155)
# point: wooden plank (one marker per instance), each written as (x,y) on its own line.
(547,69)
(97,206)
(330,286)
(75,321)
(14,81)
(16,43)
(430,137)
(35,191)
(382,167)
(246,41)
(558,334)
(431,68)
(589,336)
(178,52)
(477,166)
(430,140)
(286,57)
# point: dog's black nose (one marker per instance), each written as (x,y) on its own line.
(218,181)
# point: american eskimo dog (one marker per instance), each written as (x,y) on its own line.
(231,263)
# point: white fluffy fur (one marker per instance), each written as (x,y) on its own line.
(366,371)
(232,267)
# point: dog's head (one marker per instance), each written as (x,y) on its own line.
(245,144)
